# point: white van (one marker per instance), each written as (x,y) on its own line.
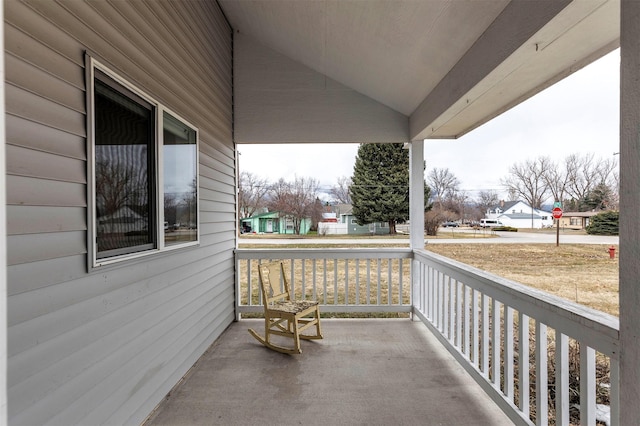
(490,223)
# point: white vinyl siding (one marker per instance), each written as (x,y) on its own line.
(105,347)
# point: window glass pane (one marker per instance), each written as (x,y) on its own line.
(180,181)
(124,158)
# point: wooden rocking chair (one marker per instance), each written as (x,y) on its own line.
(284,316)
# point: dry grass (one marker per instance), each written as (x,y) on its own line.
(578,272)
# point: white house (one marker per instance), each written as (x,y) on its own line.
(519,214)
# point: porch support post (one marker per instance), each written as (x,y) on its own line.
(629,212)
(416,194)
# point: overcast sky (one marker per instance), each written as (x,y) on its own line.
(580,114)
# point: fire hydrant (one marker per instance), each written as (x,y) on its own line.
(612,252)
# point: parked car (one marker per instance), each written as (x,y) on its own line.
(450,225)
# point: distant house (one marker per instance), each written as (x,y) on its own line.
(576,220)
(519,214)
(274,223)
(346,216)
(329,217)
(376,228)
(330,223)
(345,223)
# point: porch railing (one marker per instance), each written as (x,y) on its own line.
(523,346)
(343,280)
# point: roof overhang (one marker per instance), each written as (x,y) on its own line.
(399,70)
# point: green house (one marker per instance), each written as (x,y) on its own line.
(377,228)
(274,223)
(346,216)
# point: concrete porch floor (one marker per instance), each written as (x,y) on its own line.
(364,371)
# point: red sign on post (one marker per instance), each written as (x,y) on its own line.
(557,212)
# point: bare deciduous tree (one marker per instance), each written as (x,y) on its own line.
(584,174)
(456,203)
(340,192)
(615,190)
(295,200)
(444,185)
(119,184)
(252,191)
(557,180)
(527,180)
(486,200)
(189,200)
(578,182)
(279,195)
(170,208)
(607,172)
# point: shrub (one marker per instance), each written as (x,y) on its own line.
(505,228)
(605,223)
(436,217)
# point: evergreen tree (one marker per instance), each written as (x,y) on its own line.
(380,184)
(605,223)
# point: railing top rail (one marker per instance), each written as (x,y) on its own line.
(597,329)
(325,253)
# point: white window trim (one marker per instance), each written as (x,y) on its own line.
(91,64)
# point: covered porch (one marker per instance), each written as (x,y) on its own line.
(375,372)
(310,75)
(103,346)
(468,340)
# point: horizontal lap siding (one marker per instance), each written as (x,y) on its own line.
(106,346)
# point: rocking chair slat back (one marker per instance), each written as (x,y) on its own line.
(275,286)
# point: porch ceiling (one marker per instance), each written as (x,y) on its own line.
(447,65)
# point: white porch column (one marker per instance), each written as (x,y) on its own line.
(630,212)
(416,194)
